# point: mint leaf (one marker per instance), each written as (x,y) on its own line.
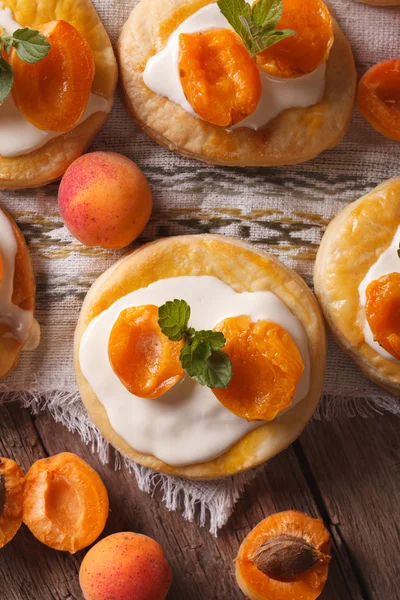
(215,339)
(218,371)
(6,79)
(398,251)
(255,24)
(193,358)
(30,45)
(173,319)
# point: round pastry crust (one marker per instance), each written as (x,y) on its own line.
(244,269)
(353,242)
(23,296)
(294,136)
(49,163)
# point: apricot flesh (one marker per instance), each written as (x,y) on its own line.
(383,312)
(11,488)
(65,503)
(125,566)
(255,584)
(378,98)
(143,358)
(266,366)
(52,94)
(310,46)
(220,79)
(105,200)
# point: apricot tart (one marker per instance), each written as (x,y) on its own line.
(18,328)
(227,83)
(200,356)
(59,100)
(357,281)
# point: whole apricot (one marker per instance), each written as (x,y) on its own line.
(125,566)
(105,200)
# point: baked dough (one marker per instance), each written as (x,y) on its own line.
(294,136)
(50,162)
(24,292)
(244,269)
(353,242)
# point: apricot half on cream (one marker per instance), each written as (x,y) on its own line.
(238,83)
(286,556)
(65,503)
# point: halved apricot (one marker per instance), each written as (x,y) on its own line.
(310,46)
(65,503)
(144,359)
(220,79)
(52,94)
(383,312)
(378,98)
(266,366)
(11,488)
(285,557)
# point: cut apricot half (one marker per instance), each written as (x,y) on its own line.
(218,76)
(52,94)
(266,365)
(285,557)
(65,503)
(11,488)
(383,312)
(303,52)
(378,98)
(144,359)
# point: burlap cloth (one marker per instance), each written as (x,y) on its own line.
(284,210)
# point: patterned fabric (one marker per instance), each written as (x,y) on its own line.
(284,210)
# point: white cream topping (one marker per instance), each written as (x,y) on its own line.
(186,425)
(20,321)
(161,75)
(17,135)
(388,262)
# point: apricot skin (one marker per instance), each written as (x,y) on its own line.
(105,200)
(125,566)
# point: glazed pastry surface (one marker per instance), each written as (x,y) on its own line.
(244,269)
(21,330)
(294,136)
(49,162)
(352,244)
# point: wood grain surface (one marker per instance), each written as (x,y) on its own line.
(346,471)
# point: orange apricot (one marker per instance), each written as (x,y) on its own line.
(105,200)
(310,46)
(65,503)
(285,557)
(125,566)
(220,79)
(52,94)
(144,359)
(11,488)
(383,312)
(378,98)
(266,366)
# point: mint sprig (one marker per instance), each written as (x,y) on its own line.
(31,47)
(201,356)
(398,251)
(255,24)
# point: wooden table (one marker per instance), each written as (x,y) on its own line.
(346,471)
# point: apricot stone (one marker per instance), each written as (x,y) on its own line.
(105,200)
(125,566)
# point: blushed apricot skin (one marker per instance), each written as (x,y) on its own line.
(378,98)
(125,566)
(105,200)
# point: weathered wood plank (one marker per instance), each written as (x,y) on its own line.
(355,463)
(203,566)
